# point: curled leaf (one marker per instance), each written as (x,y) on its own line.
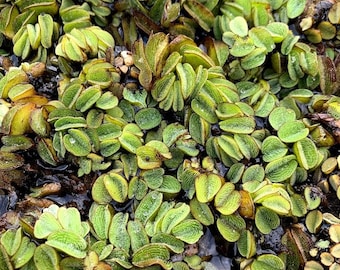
(152,254)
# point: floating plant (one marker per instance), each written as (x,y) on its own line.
(178,119)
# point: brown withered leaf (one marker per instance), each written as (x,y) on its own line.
(297,243)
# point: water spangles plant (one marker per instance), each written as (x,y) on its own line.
(108,238)
(183,135)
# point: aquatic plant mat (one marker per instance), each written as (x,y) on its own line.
(163,134)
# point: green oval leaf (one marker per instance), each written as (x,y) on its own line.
(13,143)
(254,59)
(306,153)
(199,128)
(68,242)
(117,187)
(174,216)
(287,45)
(87,98)
(170,241)
(246,245)
(100,218)
(71,93)
(207,186)
(265,105)
(5,259)
(226,110)
(299,206)
(137,188)
(130,142)
(278,204)
(281,115)
(247,145)
(148,118)
(137,233)
(195,56)
(118,234)
(45,225)
(148,157)
(227,199)
(268,262)
(24,253)
(77,142)
(107,101)
(172,133)
(295,8)
(239,26)
(273,148)
(229,146)
(281,169)
(240,125)
(200,13)
(205,108)
(152,254)
(69,218)
(262,38)
(292,131)
(11,240)
(302,95)
(201,212)
(278,31)
(235,172)
(156,50)
(242,47)
(230,227)
(189,231)
(314,221)
(266,220)
(108,131)
(148,207)
(170,185)
(46,257)
(99,192)
(253,173)
(162,87)
(154,177)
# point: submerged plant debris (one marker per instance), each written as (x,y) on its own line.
(165,134)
